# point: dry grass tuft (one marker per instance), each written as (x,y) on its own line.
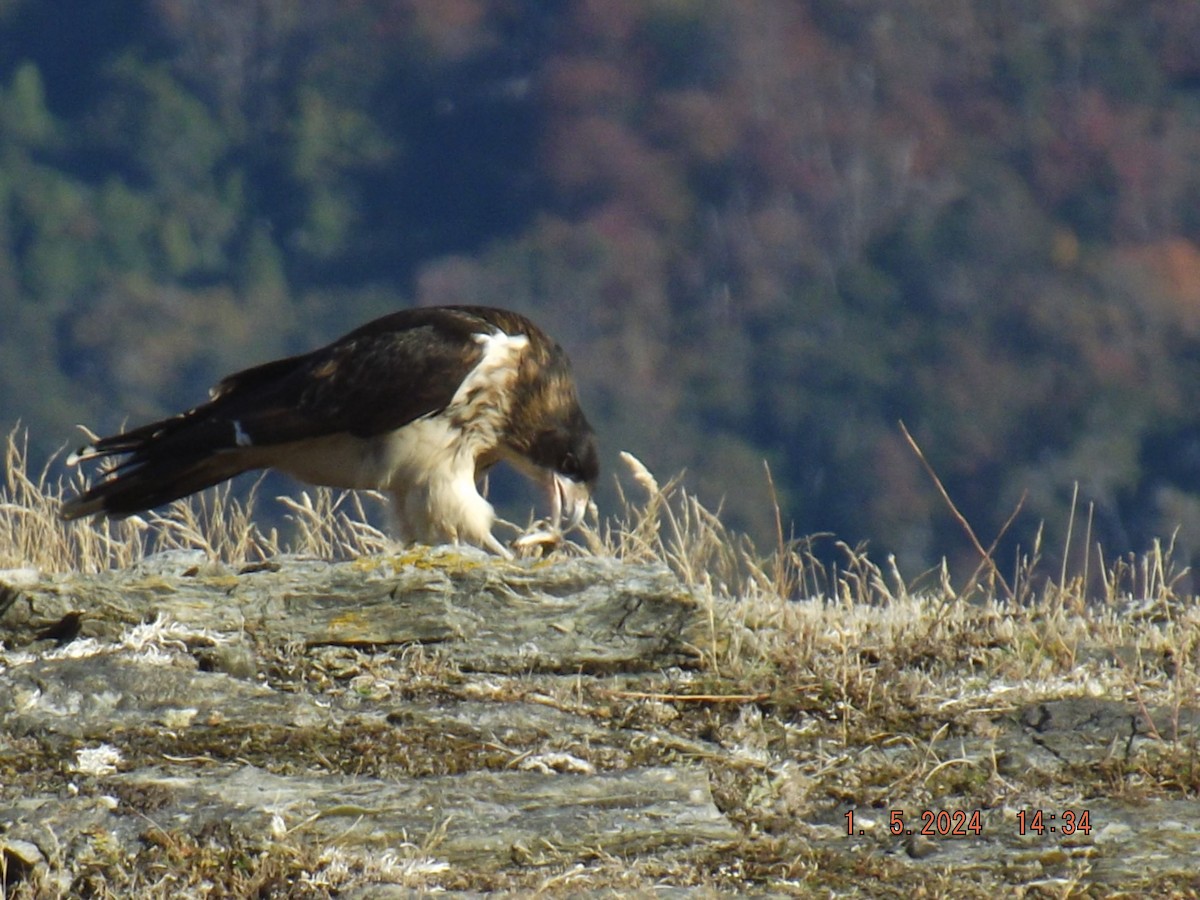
(328,524)
(885,651)
(820,686)
(782,623)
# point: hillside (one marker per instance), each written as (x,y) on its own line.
(763,230)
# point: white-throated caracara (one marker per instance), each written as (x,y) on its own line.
(418,404)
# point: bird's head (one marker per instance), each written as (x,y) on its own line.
(549,437)
(567,456)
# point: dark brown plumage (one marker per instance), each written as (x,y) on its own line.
(419,403)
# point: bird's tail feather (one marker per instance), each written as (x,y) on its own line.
(157,481)
(148,438)
(164,461)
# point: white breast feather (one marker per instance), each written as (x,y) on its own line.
(428,465)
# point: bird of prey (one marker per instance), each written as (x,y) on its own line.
(418,404)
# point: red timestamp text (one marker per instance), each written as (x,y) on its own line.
(1069,821)
(929,823)
(969,823)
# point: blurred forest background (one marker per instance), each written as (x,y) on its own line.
(764,229)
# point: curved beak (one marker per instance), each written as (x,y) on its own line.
(568,502)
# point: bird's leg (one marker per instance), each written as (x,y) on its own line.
(490,543)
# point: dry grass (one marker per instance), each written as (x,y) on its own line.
(846,681)
(327,524)
(770,611)
(789,608)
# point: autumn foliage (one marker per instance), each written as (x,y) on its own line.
(764,230)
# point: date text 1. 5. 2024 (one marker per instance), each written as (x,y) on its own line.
(967,823)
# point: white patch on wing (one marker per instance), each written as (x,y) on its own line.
(429,466)
(239,435)
(496,369)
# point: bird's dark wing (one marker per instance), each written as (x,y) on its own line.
(364,384)
(376,379)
